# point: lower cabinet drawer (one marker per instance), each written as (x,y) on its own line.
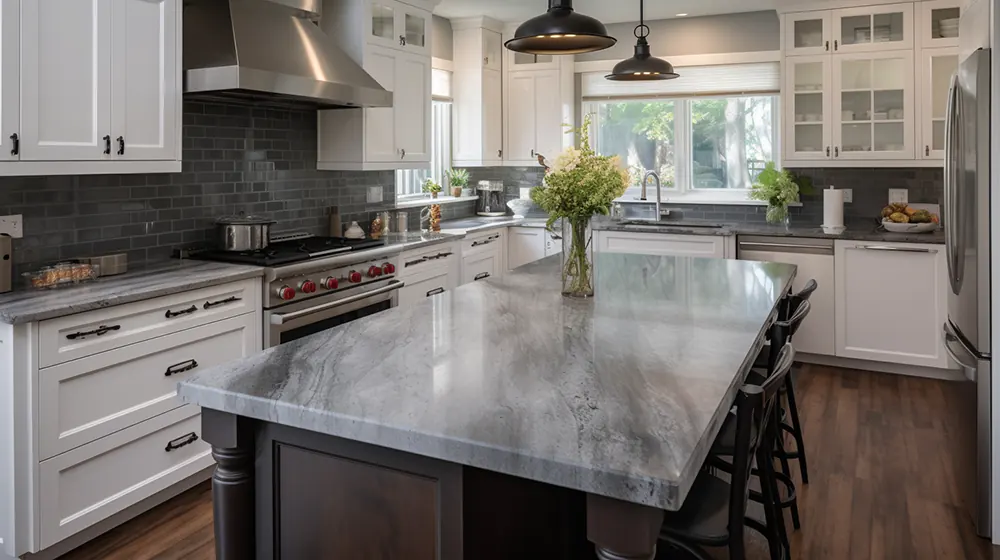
(90,483)
(418,289)
(89,398)
(479,267)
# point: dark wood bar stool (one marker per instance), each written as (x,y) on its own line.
(714,512)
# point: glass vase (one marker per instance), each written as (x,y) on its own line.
(577,258)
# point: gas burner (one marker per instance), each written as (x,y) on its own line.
(289,251)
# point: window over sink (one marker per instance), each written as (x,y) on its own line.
(708,138)
(410,182)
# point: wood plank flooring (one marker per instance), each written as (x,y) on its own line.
(881,482)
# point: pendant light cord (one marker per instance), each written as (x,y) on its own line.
(642,22)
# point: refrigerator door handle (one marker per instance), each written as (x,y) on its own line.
(970,364)
(951,195)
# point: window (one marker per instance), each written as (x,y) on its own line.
(410,182)
(705,142)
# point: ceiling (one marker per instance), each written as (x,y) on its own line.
(608,11)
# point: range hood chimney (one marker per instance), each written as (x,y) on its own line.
(270,52)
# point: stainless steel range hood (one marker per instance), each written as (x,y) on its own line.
(269,52)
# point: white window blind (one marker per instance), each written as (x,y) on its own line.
(725,79)
(441,84)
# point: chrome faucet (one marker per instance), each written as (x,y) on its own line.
(642,194)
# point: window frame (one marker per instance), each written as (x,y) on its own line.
(409,182)
(684,191)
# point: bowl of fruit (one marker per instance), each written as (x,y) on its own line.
(900,218)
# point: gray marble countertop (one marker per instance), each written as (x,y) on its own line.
(158,279)
(864,231)
(620,395)
(482,223)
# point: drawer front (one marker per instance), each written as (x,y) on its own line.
(418,289)
(479,267)
(662,244)
(86,485)
(86,399)
(424,261)
(73,337)
(482,242)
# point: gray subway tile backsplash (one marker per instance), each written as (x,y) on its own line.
(241,158)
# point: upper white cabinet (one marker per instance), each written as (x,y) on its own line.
(873,106)
(891,300)
(808,121)
(937,23)
(10,86)
(99,82)
(873,28)
(477,123)
(391,41)
(808,33)
(936,67)
(66,80)
(534,117)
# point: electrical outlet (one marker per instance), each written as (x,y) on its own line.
(901,196)
(11,225)
(848,195)
(374,194)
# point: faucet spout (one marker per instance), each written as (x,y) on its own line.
(656,179)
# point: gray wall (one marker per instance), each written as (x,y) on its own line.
(744,32)
(442,39)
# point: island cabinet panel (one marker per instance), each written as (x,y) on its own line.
(712,246)
(525,245)
(891,302)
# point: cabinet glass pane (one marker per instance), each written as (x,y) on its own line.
(525,58)
(808,137)
(808,33)
(890,73)
(808,76)
(809,107)
(383,18)
(937,135)
(942,69)
(856,137)
(855,74)
(416,32)
(888,28)
(877,28)
(856,30)
(944,23)
(855,106)
(888,137)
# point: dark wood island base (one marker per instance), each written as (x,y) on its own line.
(286,493)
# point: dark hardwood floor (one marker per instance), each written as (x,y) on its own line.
(881,484)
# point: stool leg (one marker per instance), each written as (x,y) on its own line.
(800,446)
(777,535)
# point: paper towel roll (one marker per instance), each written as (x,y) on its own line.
(833,207)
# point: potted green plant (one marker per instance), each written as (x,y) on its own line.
(458,179)
(778,188)
(577,186)
(431,187)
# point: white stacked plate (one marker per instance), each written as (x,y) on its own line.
(948,28)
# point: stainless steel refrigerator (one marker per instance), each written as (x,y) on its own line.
(966,220)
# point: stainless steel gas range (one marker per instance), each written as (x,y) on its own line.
(315,283)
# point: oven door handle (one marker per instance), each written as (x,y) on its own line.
(281,318)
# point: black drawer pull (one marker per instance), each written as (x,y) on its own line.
(481,275)
(171,314)
(412,263)
(181,367)
(98,331)
(211,304)
(107,143)
(17,144)
(181,441)
(121,145)
(435,292)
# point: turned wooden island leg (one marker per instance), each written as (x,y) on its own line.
(232,484)
(622,530)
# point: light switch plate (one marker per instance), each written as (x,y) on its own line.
(374,194)
(848,195)
(901,196)
(11,225)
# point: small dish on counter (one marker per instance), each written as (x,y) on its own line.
(61,274)
(893,227)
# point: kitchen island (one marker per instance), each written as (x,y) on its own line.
(407,433)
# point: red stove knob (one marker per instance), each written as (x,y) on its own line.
(388,268)
(374,272)
(354,277)
(331,283)
(286,292)
(307,286)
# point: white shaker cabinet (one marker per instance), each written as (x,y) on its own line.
(66,80)
(891,301)
(525,245)
(808,114)
(710,246)
(10,84)
(873,28)
(477,123)
(412,108)
(534,117)
(100,81)
(936,67)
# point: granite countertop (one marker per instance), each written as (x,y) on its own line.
(864,231)
(158,279)
(620,395)
(464,226)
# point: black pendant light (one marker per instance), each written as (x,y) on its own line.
(560,31)
(642,66)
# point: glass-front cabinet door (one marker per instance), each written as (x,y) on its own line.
(873,106)
(873,28)
(414,29)
(807,107)
(382,28)
(807,33)
(937,23)
(937,66)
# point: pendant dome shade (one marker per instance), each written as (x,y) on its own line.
(560,31)
(642,66)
